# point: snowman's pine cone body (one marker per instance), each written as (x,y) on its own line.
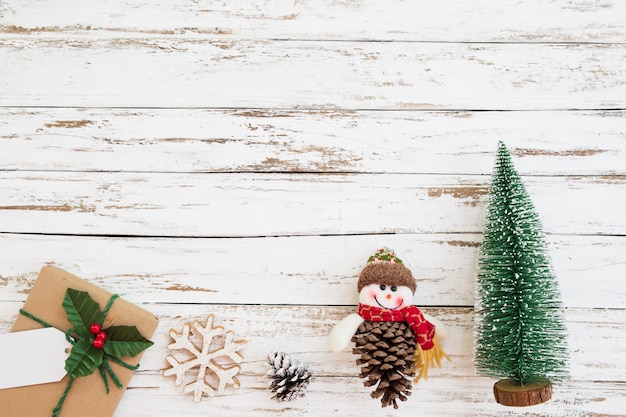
(387,352)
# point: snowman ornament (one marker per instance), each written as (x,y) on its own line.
(395,341)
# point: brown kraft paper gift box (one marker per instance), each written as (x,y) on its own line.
(87,396)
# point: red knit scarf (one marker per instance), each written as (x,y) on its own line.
(424,330)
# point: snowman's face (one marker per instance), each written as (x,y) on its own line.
(386,296)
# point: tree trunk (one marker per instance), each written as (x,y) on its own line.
(510,392)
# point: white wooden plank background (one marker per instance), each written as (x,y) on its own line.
(243,158)
(180,72)
(505,21)
(267,140)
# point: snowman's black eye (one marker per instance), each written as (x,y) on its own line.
(383,287)
(394,288)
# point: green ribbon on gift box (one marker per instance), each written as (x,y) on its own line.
(121,341)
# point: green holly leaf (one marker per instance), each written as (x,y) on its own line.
(125,341)
(81,311)
(83,360)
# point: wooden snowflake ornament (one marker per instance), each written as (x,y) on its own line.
(209,370)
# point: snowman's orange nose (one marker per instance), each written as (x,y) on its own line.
(388,296)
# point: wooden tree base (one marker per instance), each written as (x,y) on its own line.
(510,392)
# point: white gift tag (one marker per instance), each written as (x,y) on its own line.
(32,357)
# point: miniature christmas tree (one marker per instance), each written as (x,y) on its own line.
(520,330)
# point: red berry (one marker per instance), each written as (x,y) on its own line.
(95,328)
(98,343)
(102,335)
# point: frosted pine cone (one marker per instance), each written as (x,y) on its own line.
(289,377)
(387,352)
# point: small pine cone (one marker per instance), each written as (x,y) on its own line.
(387,356)
(289,377)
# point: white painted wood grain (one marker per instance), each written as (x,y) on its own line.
(222,205)
(454,21)
(172,72)
(456,397)
(269,146)
(302,332)
(305,270)
(193,140)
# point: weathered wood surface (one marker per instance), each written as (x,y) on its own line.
(393,20)
(222,205)
(259,140)
(206,72)
(453,390)
(320,270)
(454,397)
(243,158)
(304,329)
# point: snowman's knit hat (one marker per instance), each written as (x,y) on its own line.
(384,267)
